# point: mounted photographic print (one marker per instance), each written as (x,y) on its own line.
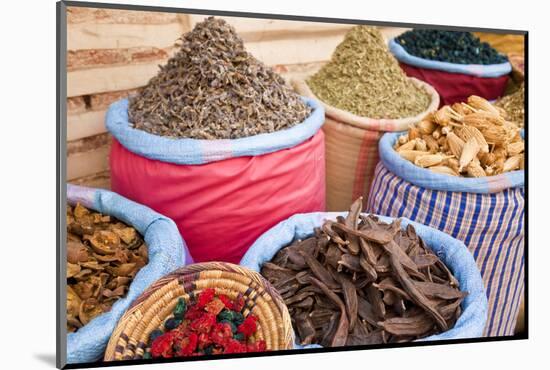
(240,184)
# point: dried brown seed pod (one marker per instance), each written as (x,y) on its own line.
(512,163)
(429,160)
(411,155)
(403,139)
(467,132)
(455,144)
(414,133)
(443,170)
(474,169)
(487,159)
(469,152)
(407,146)
(431,143)
(426,127)
(453,163)
(515,148)
(421,145)
(482,104)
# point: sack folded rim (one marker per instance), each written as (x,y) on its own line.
(425,178)
(198,151)
(477,70)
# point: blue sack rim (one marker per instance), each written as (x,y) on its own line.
(198,151)
(477,70)
(425,178)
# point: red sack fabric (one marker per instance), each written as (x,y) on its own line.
(457,87)
(222,207)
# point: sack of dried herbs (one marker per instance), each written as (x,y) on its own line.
(455,63)
(336,274)
(486,213)
(214,89)
(165,249)
(365,93)
(237,148)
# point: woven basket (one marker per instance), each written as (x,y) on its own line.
(155,305)
(351,145)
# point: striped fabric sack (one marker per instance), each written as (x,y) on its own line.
(487,214)
(352,146)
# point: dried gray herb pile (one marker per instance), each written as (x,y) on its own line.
(212,88)
(363,77)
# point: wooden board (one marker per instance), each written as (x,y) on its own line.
(125,77)
(256,29)
(100,180)
(88,163)
(85,124)
(110,36)
(117,16)
(114,78)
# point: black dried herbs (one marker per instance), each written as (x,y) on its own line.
(362,281)
(449,46)
(214,89)
(103,256)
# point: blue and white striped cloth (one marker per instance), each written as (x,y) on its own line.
(489,223)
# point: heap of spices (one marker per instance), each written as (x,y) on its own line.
(363,78)
(214,89)
(470,139)
(212,325)
(361,281)
(103,256)
(449,46)
(514,106)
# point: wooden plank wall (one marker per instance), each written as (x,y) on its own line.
(114,52)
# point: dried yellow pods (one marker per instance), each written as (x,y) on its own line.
(472,139)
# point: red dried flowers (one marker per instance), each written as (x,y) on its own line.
(212,325)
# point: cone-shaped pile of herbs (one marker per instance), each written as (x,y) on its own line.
(212,88)
(363,78)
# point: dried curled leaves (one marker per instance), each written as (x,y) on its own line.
(361,281)
(103,256)
(214,89)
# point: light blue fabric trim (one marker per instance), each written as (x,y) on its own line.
(478,70)
(194,151)
(428,179)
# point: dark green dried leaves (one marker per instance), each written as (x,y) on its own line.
(361,281)
(214,89)
(449,46)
